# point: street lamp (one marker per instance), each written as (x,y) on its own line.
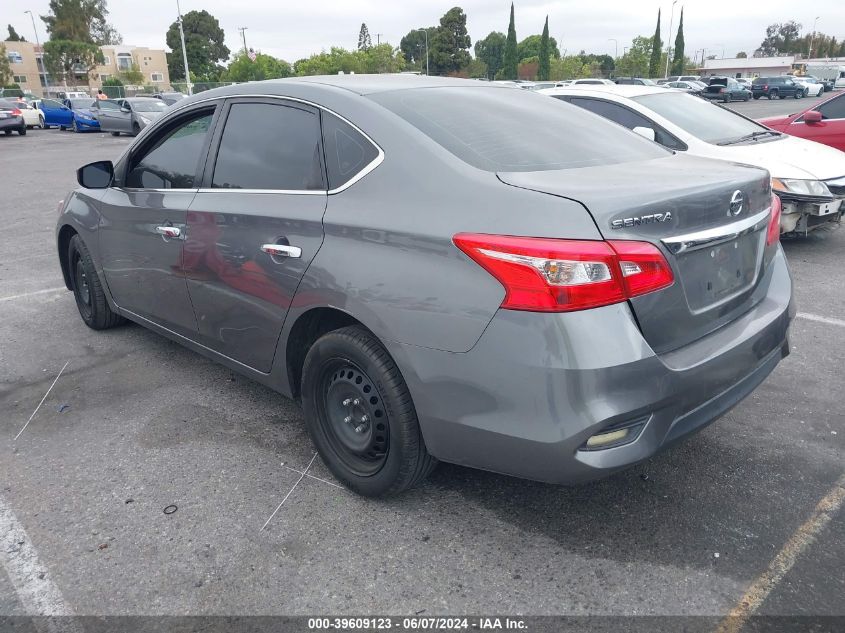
(669,42)
(426,49)
(184,51)
(44,68)
(812,37)
(615,47)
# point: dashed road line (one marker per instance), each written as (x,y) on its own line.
(801,539)
(820,319)
(34,293)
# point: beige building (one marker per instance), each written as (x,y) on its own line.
(28,72)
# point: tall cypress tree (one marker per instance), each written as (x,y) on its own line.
(678,57)
(656,49)
(510,63)
(545,63)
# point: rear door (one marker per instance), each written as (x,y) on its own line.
(255,225)
(143,221)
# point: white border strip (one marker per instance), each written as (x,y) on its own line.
(820,319)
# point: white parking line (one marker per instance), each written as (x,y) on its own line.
(820,319)
(35,590)
(325,481)
(785,559)
(32,294)
(42,401)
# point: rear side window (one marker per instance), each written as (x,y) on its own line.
(628,118)
(833,109)
(348,152)
(269,146)
(500,129)
(172,161)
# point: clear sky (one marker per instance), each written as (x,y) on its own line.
(295,29)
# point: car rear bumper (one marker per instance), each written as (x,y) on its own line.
(527,397)
(11,123)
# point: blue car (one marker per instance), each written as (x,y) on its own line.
(56,114)
(84,118)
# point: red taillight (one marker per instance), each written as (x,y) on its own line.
(722,89)
(773,232)
(548,275)
(16,112)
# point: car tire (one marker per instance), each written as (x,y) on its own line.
(87,289)
(41,123)
(7,132)
(756,97)
(726,99)
(349,375)
(773,95)
(76,126)
(136,129)
(747,97)
(22,130)
(115,133)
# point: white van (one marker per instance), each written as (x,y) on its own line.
(808,177)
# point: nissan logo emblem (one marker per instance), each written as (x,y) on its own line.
(735,207)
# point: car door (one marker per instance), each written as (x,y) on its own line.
(830,130)
(108,112)
(56,113)
(255,225)
(143,221)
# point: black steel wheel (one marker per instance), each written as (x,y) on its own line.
(87,290)
(359,413)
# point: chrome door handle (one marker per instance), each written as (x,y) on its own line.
(282,250)
(169,231)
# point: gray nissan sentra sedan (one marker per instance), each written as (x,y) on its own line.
(440,269)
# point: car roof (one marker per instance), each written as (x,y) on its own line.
(369,84)
(622,90)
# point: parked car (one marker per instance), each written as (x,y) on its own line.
(678,78)
(129,116)
(776,87)
(549,310)
(725,90)
(634,81)
(169,97)
(32,116)
(812,88)
(592,82)
(823,123)
(84,111)
(56,114)
(685,86)
(806,176)
(11,118)
(74,94)
(745,82)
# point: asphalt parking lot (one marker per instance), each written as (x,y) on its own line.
(760,108)
(136,423)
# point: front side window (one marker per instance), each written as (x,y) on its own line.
(148,105)
(348,152)
(50,104)
(172,160)
(627,118)
(106,104)
(269,146)
(833,109)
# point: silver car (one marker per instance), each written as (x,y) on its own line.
(128,116)
(440,269)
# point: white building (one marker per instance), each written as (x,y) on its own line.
(749,66)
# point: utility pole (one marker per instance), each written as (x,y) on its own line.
(669,39)
(44,68)
(184,51)
(812,37)
(378,38)
(243,29)
(615,47)
(426,49)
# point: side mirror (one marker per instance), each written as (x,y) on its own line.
(813,116)
(645,132)
(97,175)
(125,110)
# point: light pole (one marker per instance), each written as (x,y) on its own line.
(243,29)
(44,68)
(812,37)
(426,49)
(615,47)
(669,42)
(184,51)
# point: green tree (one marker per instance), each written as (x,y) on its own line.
(477,69)
(378,59)
(203,44)
(530,47)
(656,47)
(510,59)
(635,61)
(413,46)
(781,39)
(544,68)
(739,55)
(242,68)
(71,60)
(678,67)
(13,35)
(450,44)
(491,50)
(80,21)
(132,77)
(5,67)
(364,39)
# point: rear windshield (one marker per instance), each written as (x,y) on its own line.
(702,119)
(497,129)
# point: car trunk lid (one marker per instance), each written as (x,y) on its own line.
(690,209)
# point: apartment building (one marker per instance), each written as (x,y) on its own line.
(28,71)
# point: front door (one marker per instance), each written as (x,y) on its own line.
(831,129)
(108,114)
(255,225)
(143,223)
(56,113)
